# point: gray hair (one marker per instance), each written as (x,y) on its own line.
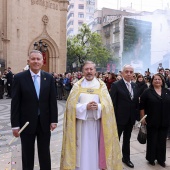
(35,51)
(127,65)
(89,62)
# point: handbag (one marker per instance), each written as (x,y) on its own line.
(142,135)
(67,87)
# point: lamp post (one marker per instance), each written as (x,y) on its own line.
(42,47)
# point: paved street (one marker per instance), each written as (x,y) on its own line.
(10,156)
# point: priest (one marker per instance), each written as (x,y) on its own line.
(90,138)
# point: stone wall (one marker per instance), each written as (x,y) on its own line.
(25,21)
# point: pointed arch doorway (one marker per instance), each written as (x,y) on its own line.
(50,56)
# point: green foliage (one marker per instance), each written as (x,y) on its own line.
(86,45)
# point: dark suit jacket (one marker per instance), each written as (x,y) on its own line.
(156,107)
(9,77)
(25,104)
(125,107)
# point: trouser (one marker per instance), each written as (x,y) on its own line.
(66,92)
(60,94)
(43,145)
(9,90)
(126,130)
(156,144)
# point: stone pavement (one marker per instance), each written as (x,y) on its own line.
(10,156)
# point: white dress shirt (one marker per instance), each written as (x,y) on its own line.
(131,89)
(38,76)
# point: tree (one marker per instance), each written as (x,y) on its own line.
(86,45)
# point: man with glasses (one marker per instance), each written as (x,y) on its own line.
(125,100)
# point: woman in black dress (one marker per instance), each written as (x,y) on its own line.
(141,86)
(155,102)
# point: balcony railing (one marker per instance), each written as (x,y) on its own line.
(107,33)
(116,29)
(116,45)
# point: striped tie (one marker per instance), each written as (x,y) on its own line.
(130,90)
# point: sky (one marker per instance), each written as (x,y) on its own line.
(139,5)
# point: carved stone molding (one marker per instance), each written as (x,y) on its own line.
(63,5)
(52,46)
(45,19)
(3,38)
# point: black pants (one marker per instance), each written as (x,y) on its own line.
(43,145)
(156,144)
(127,130)
(168,134)
(9,89)
(60,93)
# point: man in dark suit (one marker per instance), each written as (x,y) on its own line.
(9,77)
(34,101)
(125,100)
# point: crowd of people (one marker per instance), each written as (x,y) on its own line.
(64,82)
(6,79)
(148,95)
(100,108)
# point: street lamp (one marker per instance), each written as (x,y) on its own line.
(42,47)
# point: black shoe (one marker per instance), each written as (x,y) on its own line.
(162,164)
(152,163)
(128,163)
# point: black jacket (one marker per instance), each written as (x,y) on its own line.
(9,77)
(157,108)
(25,103)
(125,108)
(141,87)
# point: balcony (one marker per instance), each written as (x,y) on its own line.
(115,30)
(107,33)
(115,45)
(89,2)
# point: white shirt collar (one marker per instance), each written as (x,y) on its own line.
(32,73)
(91,84)
(126,82)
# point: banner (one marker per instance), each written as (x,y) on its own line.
(44,58)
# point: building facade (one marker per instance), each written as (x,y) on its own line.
(79,12)
(109,24)
(140,39)
(24,22)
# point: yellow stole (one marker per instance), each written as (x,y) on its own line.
(111,139)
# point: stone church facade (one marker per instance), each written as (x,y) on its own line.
(24,22)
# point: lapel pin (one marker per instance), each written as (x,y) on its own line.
(44,78)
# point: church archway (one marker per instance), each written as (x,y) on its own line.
(52,53)
(50,56)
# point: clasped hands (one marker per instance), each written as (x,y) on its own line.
(92,106)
